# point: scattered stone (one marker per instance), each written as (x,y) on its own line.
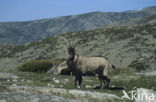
(66,80)
(61,86)
(49,84)
(14,85)
(112,86)
(29,81)
(52,86)
(14,80)
(96,86)
(78,94)
(22,80)
(88,86)
(56,81)
(3,100)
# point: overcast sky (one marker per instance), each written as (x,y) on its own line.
(24,10)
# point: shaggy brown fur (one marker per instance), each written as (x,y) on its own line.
(81,65)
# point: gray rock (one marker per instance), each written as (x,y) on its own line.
(8,76)
(3,100)
(78,94)
(96,86)
(52,70)
(33,97)
(148,73)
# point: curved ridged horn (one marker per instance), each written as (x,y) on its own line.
(66,40)
(76,42)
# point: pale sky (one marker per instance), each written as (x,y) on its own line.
(25,10)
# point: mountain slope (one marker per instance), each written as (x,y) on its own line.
(23,32)
(133,46)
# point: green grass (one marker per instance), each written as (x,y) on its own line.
(3,88)
(120,78)
(121,71)
(129,81)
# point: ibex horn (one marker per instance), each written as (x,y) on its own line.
(66,40)
(76,42)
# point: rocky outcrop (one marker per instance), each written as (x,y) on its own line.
(76,94)
(7,76)
(33,97)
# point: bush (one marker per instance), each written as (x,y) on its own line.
(139,65)
(38,65)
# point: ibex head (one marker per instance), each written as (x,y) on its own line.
(61,66)
(71,52)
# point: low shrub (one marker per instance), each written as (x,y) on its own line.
(139,65)
(38,65)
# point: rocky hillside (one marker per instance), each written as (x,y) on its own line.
(126,46)
(23,32)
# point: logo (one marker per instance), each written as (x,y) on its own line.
(139,94)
